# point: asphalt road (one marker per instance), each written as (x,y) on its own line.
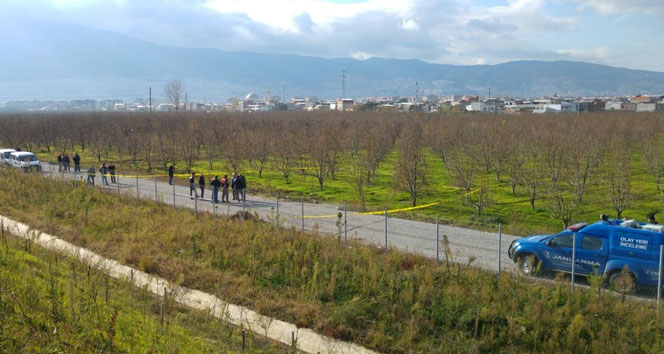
(405,235)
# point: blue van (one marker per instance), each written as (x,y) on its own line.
(604,248)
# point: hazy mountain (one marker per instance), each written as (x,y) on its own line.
(54,61)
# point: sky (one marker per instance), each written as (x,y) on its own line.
(623,33)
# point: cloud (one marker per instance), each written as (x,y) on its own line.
(442,31)
(590,54)
(624,6)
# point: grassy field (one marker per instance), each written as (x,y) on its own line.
(513,211)
(393,302)
(53,304)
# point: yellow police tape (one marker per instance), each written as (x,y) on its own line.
(375,212)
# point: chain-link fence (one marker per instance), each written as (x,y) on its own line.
(606,255)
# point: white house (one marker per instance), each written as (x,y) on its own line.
(646,107)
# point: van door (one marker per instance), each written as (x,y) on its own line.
(592,254)
(559,252)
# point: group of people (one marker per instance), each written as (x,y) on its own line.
(104,171)
(64,161)
(650,217)
(238,184)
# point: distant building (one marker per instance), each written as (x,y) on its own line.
(646,107)
(345,104)
(486,107)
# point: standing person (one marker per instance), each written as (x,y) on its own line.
(171,172)
(216,183)
(65,162)
(192,186)
(60,163)
(104,171)
(234,185)
(201,185)
(651,218)
(77,163)
(224,189)
(111,170)
(91,175)
(242,188)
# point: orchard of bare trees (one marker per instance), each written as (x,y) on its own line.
(551,161)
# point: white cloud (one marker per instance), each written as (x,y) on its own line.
(594,54)
(622,6)
(410,25)
(280,14)
(360,55)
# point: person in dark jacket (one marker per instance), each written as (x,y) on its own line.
(77,163)
(201,184)
(224,189)
(171,172)
(241,185)
(651,218)
(111,170)
(192,186)
(60,163)
(234,186)
(65,163)
(104,171)
(91,175)
(216,183)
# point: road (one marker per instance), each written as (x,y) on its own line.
(405,235)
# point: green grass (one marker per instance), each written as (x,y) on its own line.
(513,211)
(50,303)
(393,302)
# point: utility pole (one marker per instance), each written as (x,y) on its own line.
(343,84)
(150,90)
(186,98)
(417,91)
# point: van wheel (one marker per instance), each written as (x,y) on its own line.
(528,264)
(622,282)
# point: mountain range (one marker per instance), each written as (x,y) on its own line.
(46,61)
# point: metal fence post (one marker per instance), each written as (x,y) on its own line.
(137,194)
(277,209)
(196,203)
(500,245)
(437,238)
(659,276)
(243,208)
(302,201)
(118,184)
(573,258)
(173,194)
(385,230)
(345,224)
(156,199)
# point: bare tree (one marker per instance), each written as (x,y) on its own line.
(619,178)
(358,177)
(564,202)
(463,169)
(532,175)
(411,166)
(174,90)
(653,154)
(480,199)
